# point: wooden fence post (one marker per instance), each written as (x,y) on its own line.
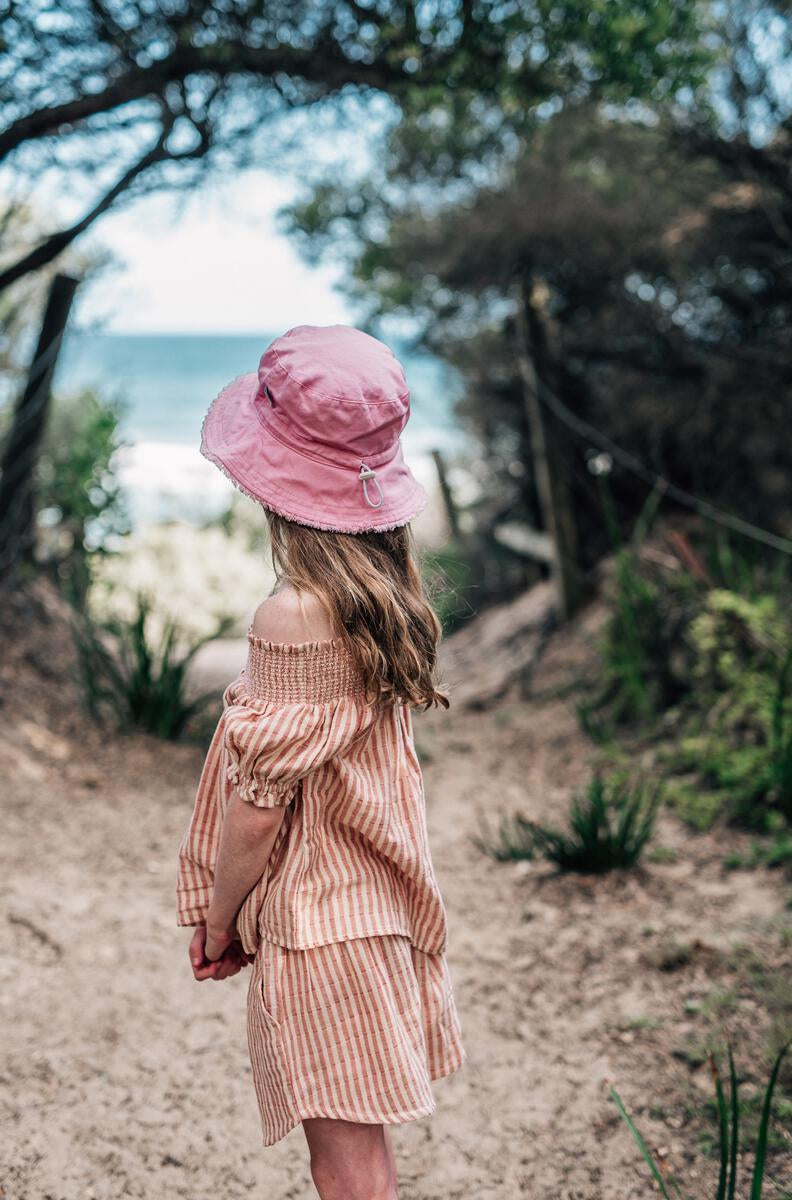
(27,428)
(448,498)
(551,471)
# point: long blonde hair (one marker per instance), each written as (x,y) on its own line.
(371,587)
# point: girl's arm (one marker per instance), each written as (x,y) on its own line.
(248,830)
(246,842)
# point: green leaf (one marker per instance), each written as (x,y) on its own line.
(642,1146)
(735,1125)
(723,1131)
(764,1124)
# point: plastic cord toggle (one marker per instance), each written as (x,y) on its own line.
(366,473)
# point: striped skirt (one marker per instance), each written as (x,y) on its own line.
(354,1030)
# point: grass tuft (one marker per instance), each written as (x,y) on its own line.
(137,679)
(609,826)
(728,1120)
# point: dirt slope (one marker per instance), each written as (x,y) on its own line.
(124,1078)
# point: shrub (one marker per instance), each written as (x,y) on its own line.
(694,804)
(609,827)
(512,843)
(718,664)
(743,566)
(138,679)
(635,651)
(81,507)
(728,1112)
(740,740)
(641,673)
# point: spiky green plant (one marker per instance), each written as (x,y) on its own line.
(728,1133)
(138,679)
(609,826)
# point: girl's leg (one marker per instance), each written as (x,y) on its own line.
(350,1161)
(391,1159)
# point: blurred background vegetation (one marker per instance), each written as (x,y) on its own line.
(584,209)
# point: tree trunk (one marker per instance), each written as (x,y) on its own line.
(452,515)
(27,428)
(551,465)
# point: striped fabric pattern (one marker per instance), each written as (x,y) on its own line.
(349,1030)
(351,858)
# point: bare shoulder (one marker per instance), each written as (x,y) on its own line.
(291,616)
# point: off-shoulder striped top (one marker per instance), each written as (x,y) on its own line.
(351,858)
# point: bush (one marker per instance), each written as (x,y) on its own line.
(138,680)
(641,671)
(694,804)
(80,504)
(636,648)
(717,664)
(728,1112)
(608,829)
(738,734)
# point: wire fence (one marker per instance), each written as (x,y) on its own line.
(711,512)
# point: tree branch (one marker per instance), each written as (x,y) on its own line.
(48,250)
(740,154)
(329,70)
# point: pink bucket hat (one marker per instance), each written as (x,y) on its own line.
(314,435)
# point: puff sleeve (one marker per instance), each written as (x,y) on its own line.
(269,748)
(261,749)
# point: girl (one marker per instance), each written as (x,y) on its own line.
(306,854)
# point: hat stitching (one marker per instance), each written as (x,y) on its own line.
(326,462)
(367,528)
(338,399)
(276,486)
(271,482)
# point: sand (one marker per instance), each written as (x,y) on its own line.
(122,1077)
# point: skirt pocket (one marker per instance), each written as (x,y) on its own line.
(267,978)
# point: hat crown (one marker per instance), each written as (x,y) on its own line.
(314,434)
(336,391)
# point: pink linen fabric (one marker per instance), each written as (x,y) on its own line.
(352,857)
(351,1011)
(353,1030)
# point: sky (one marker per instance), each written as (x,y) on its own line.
(210,262)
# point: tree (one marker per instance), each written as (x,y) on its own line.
(140,94)
(133,94)
(648,245)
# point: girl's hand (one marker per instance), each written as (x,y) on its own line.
(230,960)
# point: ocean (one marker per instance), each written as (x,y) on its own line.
(165,384)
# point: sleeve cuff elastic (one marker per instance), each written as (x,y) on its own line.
(263,793)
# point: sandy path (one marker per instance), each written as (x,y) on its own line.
(123,1078)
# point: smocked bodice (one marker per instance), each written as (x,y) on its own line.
(301,672)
